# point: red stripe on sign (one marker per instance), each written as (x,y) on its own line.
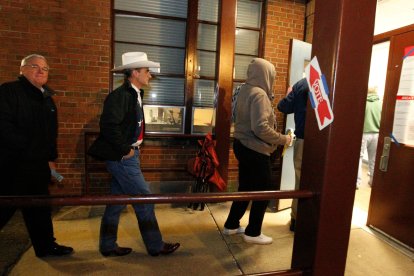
(407,98)
(323,111)
(314,75)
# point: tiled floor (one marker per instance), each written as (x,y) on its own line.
(369,252)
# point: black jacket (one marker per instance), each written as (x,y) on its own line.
(28,122)
(118,124)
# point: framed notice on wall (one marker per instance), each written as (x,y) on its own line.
(163,119)
(403,126)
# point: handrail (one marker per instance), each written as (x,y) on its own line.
(160,198)
(151,198)
(290,272)
(101,167)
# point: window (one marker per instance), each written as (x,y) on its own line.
(205,67)
(248,39)
(248,33)
(183,37)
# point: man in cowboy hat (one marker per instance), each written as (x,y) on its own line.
(121,133)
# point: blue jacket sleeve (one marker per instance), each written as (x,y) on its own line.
(287,104)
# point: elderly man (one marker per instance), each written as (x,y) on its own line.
(121,134)
(28,132)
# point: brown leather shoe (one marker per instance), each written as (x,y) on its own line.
(119,251)
(168,248)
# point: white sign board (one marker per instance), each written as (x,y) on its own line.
(403,126)
(319,94)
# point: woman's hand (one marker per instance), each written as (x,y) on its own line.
(288,140)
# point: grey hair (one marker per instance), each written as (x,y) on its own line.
(29,57)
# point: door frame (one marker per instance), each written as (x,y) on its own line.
(374,216)
(331,155)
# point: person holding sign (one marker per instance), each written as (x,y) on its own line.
(28,150)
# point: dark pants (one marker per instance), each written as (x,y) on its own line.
(31,178)
(254,175)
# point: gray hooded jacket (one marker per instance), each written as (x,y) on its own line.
(255,125)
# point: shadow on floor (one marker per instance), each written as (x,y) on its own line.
(14,241)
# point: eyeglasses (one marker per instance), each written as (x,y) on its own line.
(37,67)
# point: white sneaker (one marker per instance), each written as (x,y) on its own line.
(229,232)
(262,239)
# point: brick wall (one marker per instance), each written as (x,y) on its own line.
(285,21)
(75,36)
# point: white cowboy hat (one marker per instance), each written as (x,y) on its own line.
(133,60)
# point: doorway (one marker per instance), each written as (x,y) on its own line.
(391,210)
(376,82)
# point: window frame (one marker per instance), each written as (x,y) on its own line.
(191,55)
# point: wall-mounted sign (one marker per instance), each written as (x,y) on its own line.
(403,126)
(318,94)
(164,119)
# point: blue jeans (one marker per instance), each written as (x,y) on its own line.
(369,142)
(127,179)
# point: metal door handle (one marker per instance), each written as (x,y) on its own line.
(385,154)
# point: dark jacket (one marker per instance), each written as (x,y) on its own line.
(295,103)
(118,124)
(28,122)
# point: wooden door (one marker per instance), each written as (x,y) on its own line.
(391,207)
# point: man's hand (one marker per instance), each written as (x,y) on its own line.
(54,173)
(129,155)
(289,90)
(52,165)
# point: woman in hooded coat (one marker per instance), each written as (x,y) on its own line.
(255,138)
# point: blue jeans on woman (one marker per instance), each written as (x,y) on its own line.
(127,179)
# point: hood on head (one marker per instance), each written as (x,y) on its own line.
(372,98)
(261,73)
